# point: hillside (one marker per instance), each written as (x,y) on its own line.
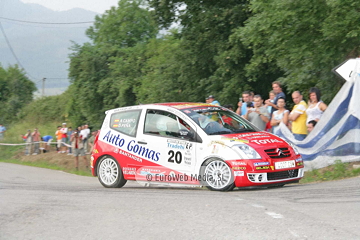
(42,49)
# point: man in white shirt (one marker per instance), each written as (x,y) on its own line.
(84,133)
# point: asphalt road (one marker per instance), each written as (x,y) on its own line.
(39,203)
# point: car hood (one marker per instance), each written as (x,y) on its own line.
(253,139)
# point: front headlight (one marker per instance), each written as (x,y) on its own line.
(291,145)
(246,152)
(294,147)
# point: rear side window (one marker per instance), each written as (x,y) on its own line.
(164,124)
(125,122)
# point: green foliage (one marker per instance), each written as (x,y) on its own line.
(219,47)
(124,26)
(339,170)
(46,109)
(305,39)
(16,90)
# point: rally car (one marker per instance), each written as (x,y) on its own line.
(193,144)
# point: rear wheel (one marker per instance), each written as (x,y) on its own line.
(216,175)
(109,173)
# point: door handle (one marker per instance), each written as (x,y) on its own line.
(141,142)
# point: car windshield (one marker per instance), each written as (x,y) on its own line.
(219,121)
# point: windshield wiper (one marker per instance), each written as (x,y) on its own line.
(219,132)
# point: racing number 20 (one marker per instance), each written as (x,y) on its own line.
(175,155)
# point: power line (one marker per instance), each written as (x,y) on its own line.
(15,20)
(12,51)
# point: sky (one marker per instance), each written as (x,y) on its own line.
(98,6)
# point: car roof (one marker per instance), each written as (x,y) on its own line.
(184,105)
(176,105)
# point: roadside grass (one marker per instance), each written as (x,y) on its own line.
(15,154)
(44,164)
(337,171)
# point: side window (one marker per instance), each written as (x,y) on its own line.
(165,124)
(125,122)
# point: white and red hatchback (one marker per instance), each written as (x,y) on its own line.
(190,143)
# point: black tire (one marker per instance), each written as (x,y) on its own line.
(216,175)
(109,173)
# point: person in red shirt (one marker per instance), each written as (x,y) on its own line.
(36,137)
(77,146)
(64,137)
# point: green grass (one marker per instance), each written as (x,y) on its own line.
(337,171)
(43,164)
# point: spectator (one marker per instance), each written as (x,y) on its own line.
(92,140)
(207,100)
(298,117)
(258,115)
(242,104)
(213,101)
(78,149)
(2,131)
(28,142)
(63,131)
(58,135)
(70,131)
(36,137)
(85,134)
(280,115)
(277,88)
(310,125)
(227,119)
(316,106)
(271,98)
(47,139)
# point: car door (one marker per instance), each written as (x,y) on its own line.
(172,137)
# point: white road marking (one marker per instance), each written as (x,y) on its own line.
(294,233)
(257,206)
(274,215)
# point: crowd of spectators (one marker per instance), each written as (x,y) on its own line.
(269,114)
(76,142)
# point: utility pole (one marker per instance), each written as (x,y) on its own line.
(43,87)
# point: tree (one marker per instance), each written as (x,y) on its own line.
(15,92)
(305,39)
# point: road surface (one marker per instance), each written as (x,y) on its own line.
(38,203)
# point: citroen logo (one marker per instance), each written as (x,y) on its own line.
(279,152)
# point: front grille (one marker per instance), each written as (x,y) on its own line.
(278,152)
(282,175)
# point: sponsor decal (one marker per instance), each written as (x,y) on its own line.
(262,168)
(238,163)
(235,140)
(132,147)
(187,105)
(299,163)
(217,142)
(175,146)
(129,171)
(187,160)
(272,167)
(239,168)
(266,141)
(261,164)
(117,120)
(238,173)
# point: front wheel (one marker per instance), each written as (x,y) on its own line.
(216,175)
(109,173)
